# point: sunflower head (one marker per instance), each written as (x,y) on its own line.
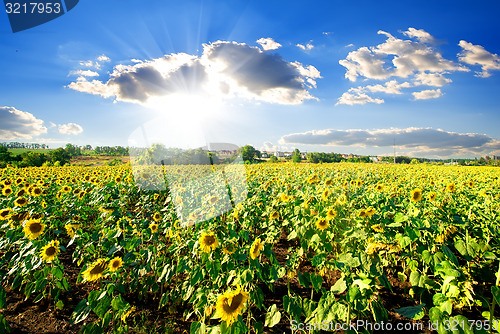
(208,242)
(331,213)
(5,213)
(230,305)
(275,215)
(36,191)
(255,249)
(379,187)
(21,201)
(115,264)
(213,199)
(370,211)
(157,217)
(50,251)
(153,227)
(229,249)
(33,229)
(6,191)
(451,187)
(416,195)
(95,270)
(322,224)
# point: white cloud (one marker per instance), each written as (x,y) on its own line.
(70,129)
(431,79)
(87,63)
(356,96)
(427,94)
(477,55)
(420,34)
(269,147)
(308,46)
(390,87)
(228,69)
(415,141)
(84,73)
(16,124)
(268,44)
(103,58)
(397,58)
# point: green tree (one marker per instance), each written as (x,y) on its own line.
(61,155)
(272,159)
(296,156)
(249,153)
(33,159)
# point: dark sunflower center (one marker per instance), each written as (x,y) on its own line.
(209,240)
(235,303)
(322,223)
(50,251)
(115,264)
(35,227)
(416,195)
(99,268)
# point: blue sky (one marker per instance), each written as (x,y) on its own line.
(314,75)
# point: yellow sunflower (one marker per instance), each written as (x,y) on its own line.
(331,213)
(5,213)
(95,270)
(451,187)
(21,201)
(153,227)
(49,251)
(229,249)
(230,305)
(275,215)
(33,228)
(378,228)
(36,191)
(379,187)
(6,191)
(370,211)
(322,224)
(70,229)
(416,195)
(157,217)
(208,242)
(255,249)
(115,264)
(362,213)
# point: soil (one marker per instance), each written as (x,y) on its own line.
(24,316)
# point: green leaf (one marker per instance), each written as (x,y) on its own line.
(81,312)
(3,297)
(379,312)
(463,324)
(119,304)
(60,304)
(349,260)
(340,286)
(449,254)
(273,316)
(316,281)
(495,291)
(197,328)
(427,256)
(446,307)
(412,312)
(415,278)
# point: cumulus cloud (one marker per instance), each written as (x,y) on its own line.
(415,59)
(413,139)
(431,79)
(103,58)
(17,124)
(269,147)
(477,55)
(427,94)
(268,44)
(227,68)
(421,35)
(70,129)
(305,47)
(356,96)
(84,73)
(397,58)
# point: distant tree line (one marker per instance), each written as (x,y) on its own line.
(32,146)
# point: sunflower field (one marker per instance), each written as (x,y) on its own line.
(310,244)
